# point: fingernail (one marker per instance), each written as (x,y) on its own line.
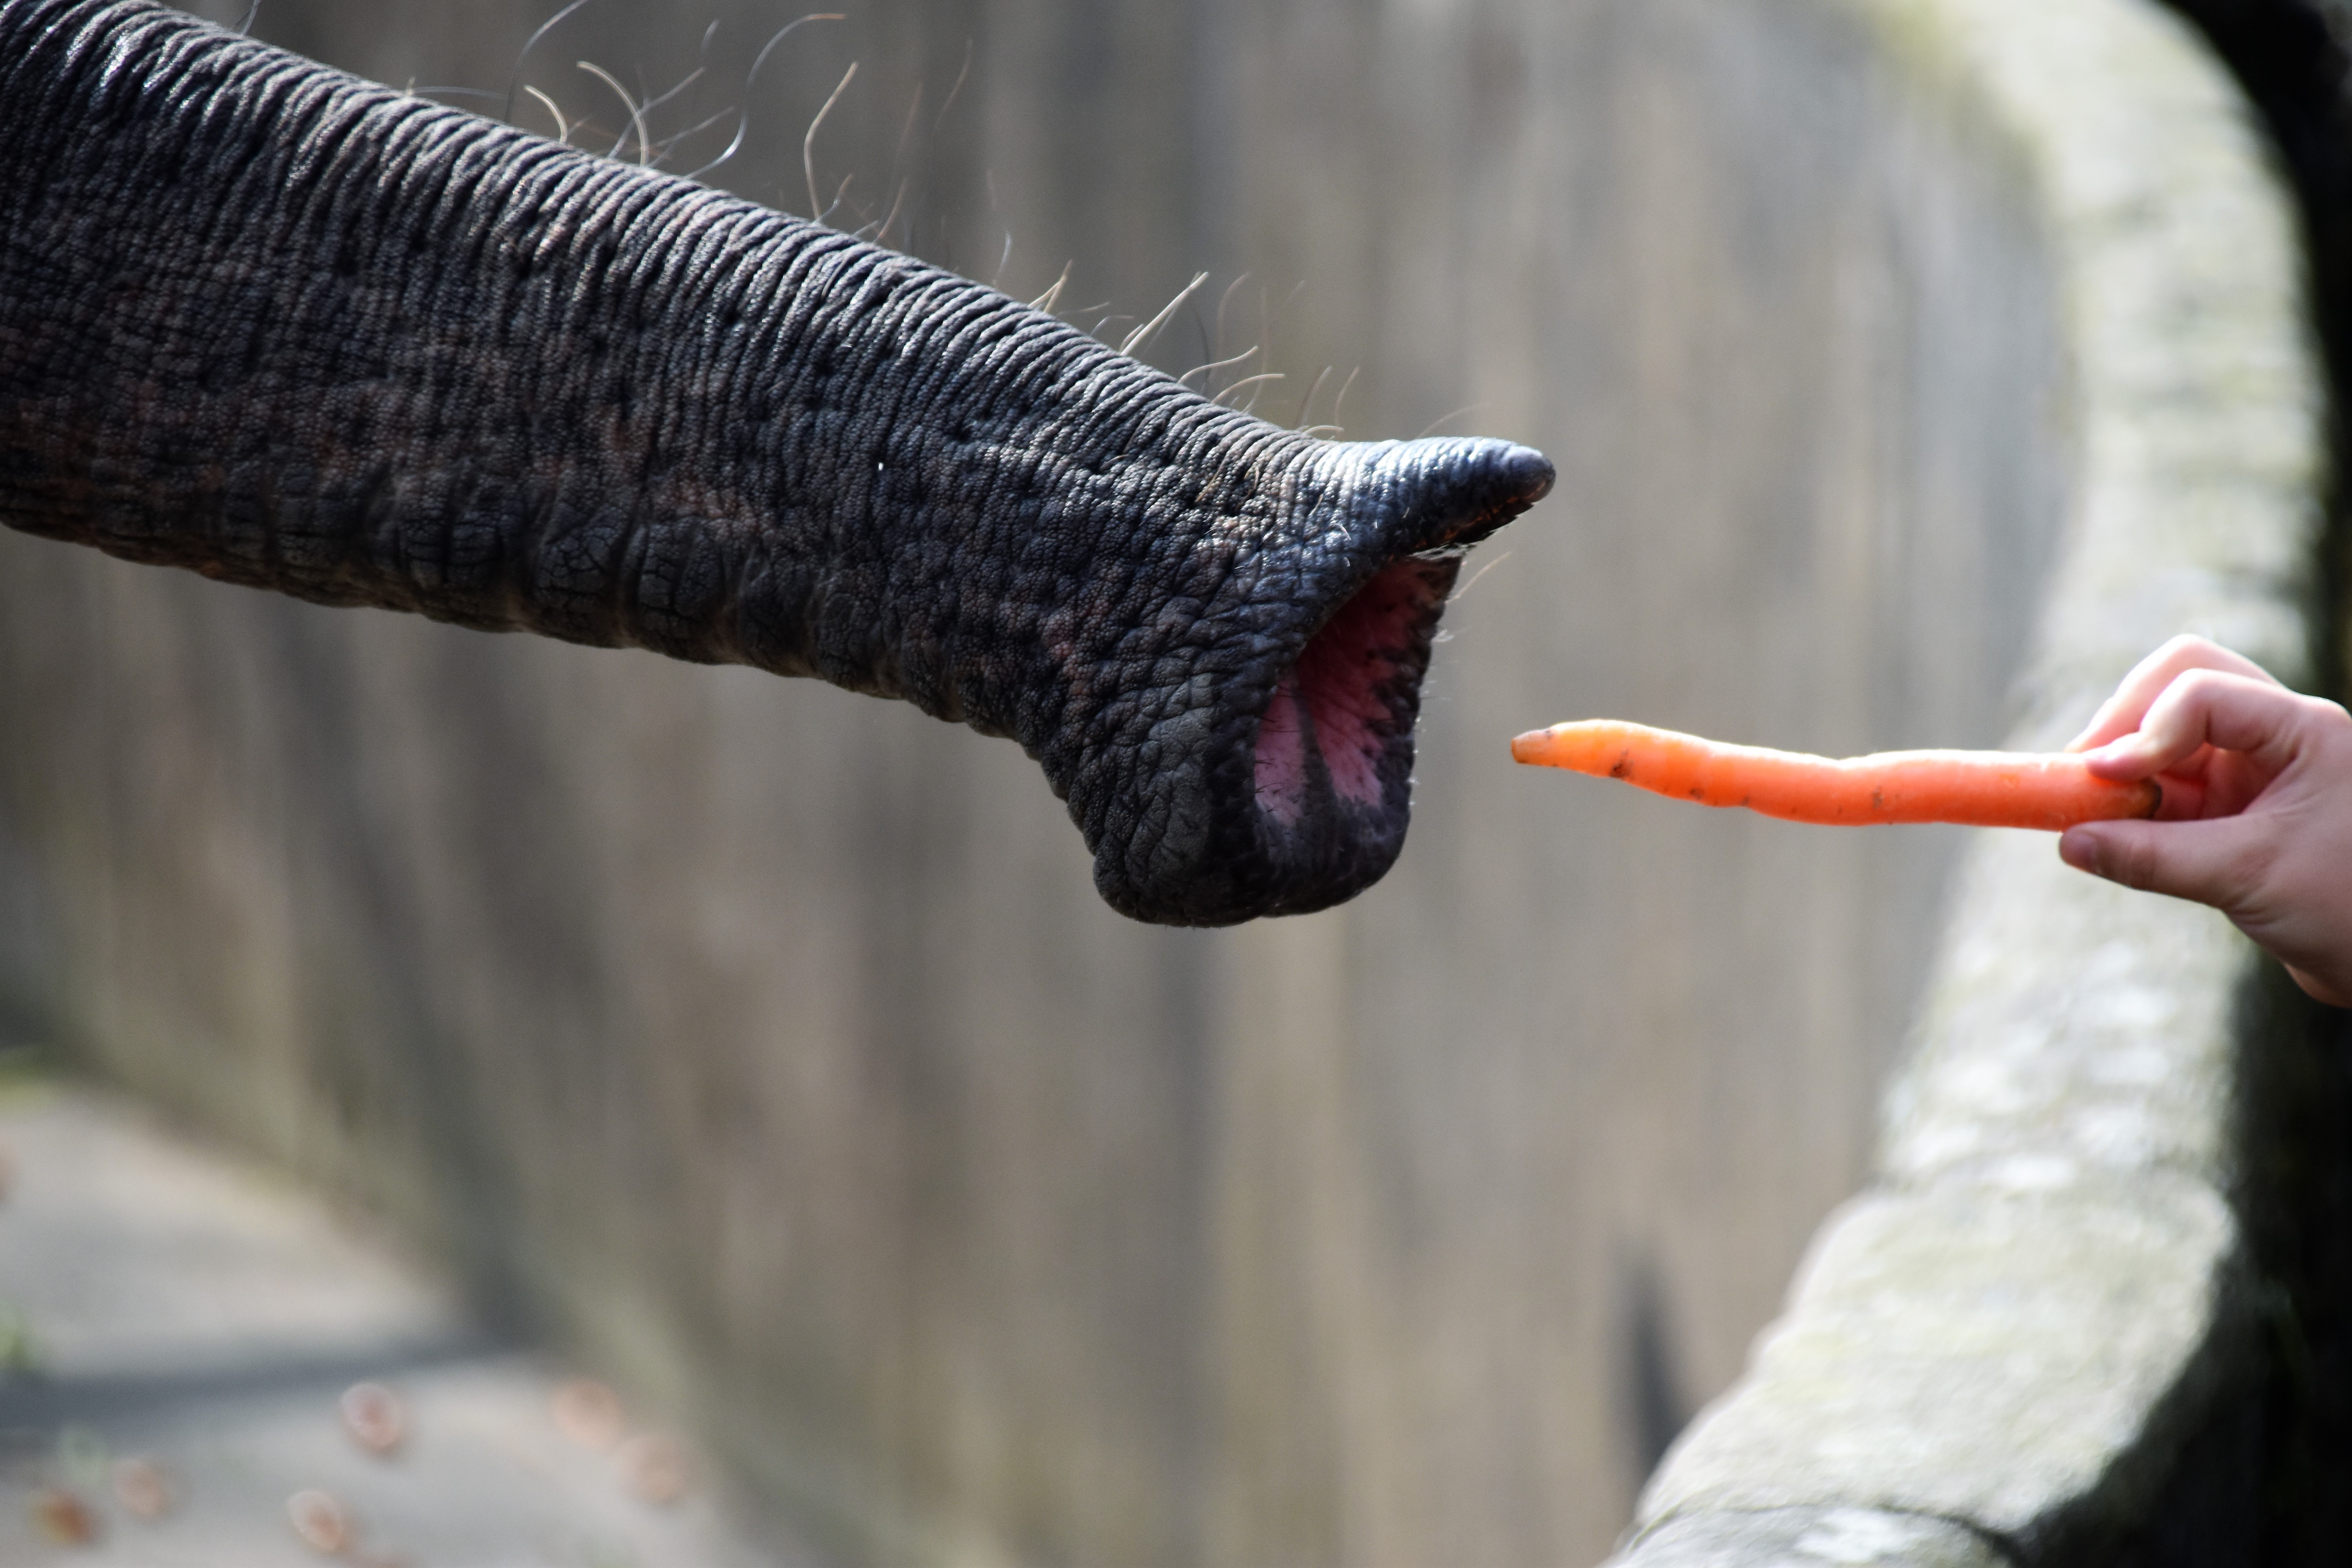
(2080,850)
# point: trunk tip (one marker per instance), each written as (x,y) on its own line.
(1468,488)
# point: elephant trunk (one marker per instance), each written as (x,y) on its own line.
(264,320)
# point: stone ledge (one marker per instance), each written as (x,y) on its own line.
(1804,1537)
(2004,1349)
(2029,1362)
(2072,1030)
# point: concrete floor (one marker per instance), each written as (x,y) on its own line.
(167,1305)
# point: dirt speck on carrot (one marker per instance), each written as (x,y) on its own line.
(1982,789)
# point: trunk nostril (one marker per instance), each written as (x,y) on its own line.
(1334,747)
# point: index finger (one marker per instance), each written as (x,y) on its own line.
(2121,713)
(2227,712)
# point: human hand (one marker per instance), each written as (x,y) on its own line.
(2256,819)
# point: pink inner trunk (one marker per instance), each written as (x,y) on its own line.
(1332,700)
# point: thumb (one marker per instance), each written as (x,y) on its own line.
(2204,861)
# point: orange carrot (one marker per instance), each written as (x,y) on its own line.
(1983,789)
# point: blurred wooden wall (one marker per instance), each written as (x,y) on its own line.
(768,1044)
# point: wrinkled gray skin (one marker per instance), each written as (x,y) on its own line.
(290,330)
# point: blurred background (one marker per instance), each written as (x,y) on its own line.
(765,1048)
